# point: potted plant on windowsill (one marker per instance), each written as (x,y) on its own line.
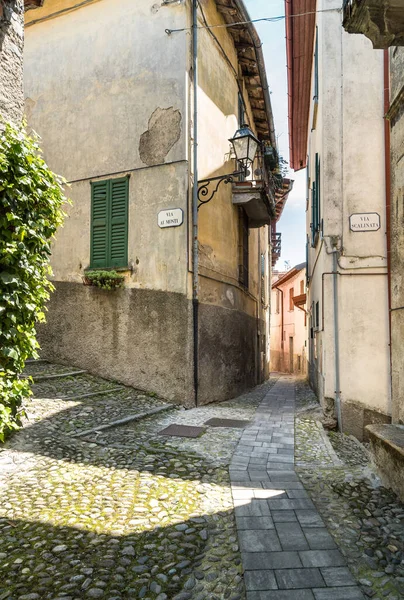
(106,280)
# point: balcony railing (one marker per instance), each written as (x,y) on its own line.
(276,243)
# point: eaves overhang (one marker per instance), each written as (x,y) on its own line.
(281,196)
(300,32)
(251,59)
(289,275)
(32,4)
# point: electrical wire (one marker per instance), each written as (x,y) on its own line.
(263,19)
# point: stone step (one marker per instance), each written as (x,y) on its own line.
(387,447)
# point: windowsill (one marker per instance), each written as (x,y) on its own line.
(117,269)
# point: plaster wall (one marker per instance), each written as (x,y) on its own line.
(397,236)
(219,231)
(11,59)
(111,93)
(348,136)
(219,228)
(90,87)
(293,327)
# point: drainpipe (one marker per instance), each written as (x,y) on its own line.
(195,248)
(387,171)
(336,341)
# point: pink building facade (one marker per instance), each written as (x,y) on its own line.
(288,330)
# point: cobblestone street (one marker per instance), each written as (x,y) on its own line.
(276,510)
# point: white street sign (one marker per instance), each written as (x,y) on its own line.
(364,222)
(170,218)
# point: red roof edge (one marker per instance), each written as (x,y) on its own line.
(300,32)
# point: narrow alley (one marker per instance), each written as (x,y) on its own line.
(261,505)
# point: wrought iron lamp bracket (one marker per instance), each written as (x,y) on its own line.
(205,193)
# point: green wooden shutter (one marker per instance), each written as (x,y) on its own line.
(99,224)
(118,237)
(318,208)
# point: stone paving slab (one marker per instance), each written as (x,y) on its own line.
(287,552)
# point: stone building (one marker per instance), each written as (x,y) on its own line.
(336,95)
(289,321)
(109,86)
(11,57)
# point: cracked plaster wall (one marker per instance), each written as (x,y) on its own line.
(104,93)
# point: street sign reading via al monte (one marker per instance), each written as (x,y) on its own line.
(364,222)
(170,218)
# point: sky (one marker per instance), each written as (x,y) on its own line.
(292,224)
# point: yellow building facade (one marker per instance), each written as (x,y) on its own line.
(109,87)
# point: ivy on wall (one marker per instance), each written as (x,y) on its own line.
(31,210)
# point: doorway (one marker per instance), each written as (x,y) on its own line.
(290,355)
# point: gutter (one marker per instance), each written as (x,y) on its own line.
(261,66)
(387,171)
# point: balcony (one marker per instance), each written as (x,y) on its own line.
(380,21)
(256,200)
(257,196)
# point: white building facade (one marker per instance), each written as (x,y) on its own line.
(347,289)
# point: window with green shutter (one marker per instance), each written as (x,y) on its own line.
(315,203)
(109,223)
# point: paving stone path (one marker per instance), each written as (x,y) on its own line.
(125,513)
(287,552)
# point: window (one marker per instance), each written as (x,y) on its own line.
(307,259)
(315,203)
(317,320)
(316,68)
(241,120)
(263,278)
(315,91)
(243,248)
(241,110)
(277,301)
(291,294)
(302,286)
(109,223)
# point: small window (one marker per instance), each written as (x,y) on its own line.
(241,110)
(317,315)
(316,68)
(243,248)
(302,286)
(315,203)
(277,301)
(291,295)
(109,223)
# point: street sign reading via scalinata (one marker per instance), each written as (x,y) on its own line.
(364,222)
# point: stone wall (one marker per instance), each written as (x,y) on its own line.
(11,59)
(397,232)
(228,353)
(138,337)
(144,338)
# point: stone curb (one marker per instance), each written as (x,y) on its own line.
(136,417)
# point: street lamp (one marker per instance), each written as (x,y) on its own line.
(245,146)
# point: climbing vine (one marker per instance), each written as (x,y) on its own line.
(31,200)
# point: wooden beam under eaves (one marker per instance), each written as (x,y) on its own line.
(226,10)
